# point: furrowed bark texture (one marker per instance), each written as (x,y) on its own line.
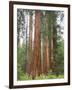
(37,44)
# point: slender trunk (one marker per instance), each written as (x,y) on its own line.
(52,47)
(30,43)
(27,43)
(46,48)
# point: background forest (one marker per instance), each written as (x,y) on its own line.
(40,44)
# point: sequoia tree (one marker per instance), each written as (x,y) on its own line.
(37,45)
(46,47)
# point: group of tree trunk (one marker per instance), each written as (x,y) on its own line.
(37,63)
(41,49)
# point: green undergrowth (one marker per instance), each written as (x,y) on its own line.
(41,77)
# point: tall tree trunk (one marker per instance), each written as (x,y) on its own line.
(52,46)
(29,56)
(52,40)
(46,47)
(37,45)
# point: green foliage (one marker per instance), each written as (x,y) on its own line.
(21,60)
(25,77)
(60,57)
(41,77)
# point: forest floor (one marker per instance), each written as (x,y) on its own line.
(41,77)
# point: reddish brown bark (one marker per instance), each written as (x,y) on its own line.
(37,45)
(45,56)
(46,49)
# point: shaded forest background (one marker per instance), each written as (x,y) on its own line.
(40,44)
